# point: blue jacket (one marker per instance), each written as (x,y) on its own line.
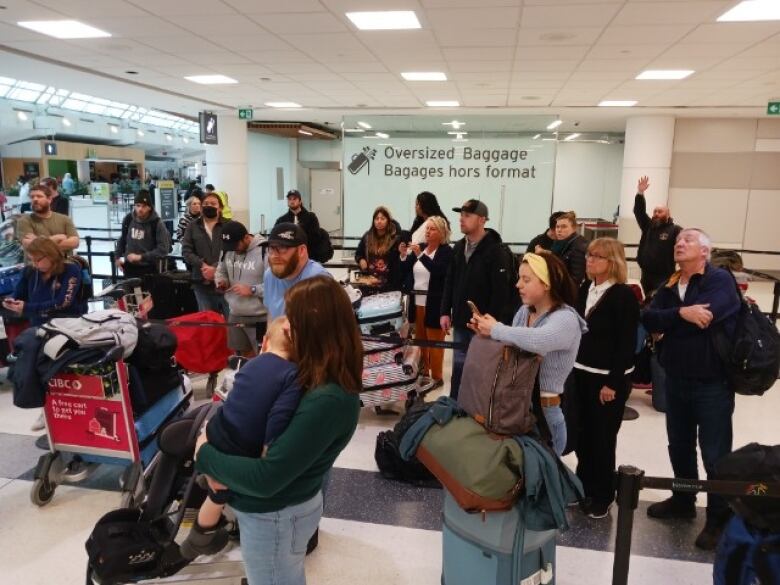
(687,351)
(56,297)
(264,398)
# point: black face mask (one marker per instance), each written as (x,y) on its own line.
(210,212)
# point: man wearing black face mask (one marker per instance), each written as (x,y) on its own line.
(201,248)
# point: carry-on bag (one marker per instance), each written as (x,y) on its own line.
(381,313)
(377,353)
(494,548)
(394,374)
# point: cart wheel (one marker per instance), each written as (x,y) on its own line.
(42,492)
(211,384)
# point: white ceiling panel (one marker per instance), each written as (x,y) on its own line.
(467,18)
(531,65)
(686,12)
(469,3)
(323,75)
(698,50)
(178,8)
(318,22)
(567,2)
(626,52)
(733,32)
(483,100)
(572,15)
(22,10)
(86,8)
(388,42)
(181,45)
(754,63)
(342,6)
(550,53)
(694,63)
(615,35)
(373,77)
(477,37)
(598,76)
(458,67)
(480,54)
(216,57)
(226,25)
(558,36)
(632,68)
(260,7)
(356,66)
(275,56)
(343,45)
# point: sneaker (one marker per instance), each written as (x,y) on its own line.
(39,423)
(204,541)
(599,511)
(672,508)
(709,536)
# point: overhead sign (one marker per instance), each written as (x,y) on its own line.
(50,148)
(245,114)
(513,176)
(773,109)
(208,128)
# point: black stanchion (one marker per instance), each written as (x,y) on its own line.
(629,483)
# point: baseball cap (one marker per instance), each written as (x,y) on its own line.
(473,206)
(232,233)
(288,235)
(144,197)
(294,193)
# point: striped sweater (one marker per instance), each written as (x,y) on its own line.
(555,336)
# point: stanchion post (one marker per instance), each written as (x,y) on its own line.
(629,482)
(776,301)
(89,251)
(112,259)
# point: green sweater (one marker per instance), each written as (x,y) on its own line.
(292,470)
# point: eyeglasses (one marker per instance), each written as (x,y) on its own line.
(590,256)
(278,249)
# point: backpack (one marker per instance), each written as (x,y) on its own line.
(155,348)
(752,356)
(510,262)
(497,386)
(747,556)
(322,250)
(87,290)
(108,328)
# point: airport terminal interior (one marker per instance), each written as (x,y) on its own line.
(526,106)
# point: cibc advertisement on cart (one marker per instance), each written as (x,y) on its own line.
(87,408)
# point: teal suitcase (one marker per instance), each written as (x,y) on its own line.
(494,549)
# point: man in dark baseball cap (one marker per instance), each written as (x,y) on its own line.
(473,206)
(288,264)
(233,233)
(299,215)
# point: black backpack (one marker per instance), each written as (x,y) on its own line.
(322,250)
(87,290)
(752,356)
(155,348)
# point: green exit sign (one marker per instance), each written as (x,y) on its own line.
(245,114)
(773,109)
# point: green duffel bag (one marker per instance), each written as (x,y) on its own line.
(482,471)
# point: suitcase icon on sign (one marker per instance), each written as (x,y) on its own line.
(104,424)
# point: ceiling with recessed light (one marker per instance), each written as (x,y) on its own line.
(524,54)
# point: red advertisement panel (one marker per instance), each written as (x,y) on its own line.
(88,422)
(76,385)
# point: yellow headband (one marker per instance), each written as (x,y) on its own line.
(538,266)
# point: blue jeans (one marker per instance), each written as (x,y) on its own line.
(703,407)
(554,417)
(273,544)
(459,335)
(210,300)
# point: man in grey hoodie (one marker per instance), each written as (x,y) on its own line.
(144,241)
(240,275)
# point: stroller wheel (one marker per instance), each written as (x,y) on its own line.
(42,491)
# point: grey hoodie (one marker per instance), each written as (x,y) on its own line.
(555,336)
(148,237)
(247,268)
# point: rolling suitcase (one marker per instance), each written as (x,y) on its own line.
(394,374)
(494,548)
(172,294)
(377,353)
(381,313)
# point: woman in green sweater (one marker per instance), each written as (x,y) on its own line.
(278,499)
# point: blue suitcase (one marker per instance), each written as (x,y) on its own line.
(494,549)
(381,313)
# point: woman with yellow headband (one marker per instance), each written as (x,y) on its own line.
(546,324)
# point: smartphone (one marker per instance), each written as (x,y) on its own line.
(473,308)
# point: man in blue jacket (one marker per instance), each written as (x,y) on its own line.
(696,303)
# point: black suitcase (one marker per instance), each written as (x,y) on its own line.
(172,294)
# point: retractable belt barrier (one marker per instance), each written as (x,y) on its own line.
(631,480)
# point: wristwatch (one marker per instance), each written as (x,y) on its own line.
(253,289)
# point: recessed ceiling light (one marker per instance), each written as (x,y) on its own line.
(424,76)
(571,137)
(141,133)
(537,137)
(455,124)
(114,129)
(617,103)
(305,133)
(22,116)
(665,74)
(442,104)
(282,105)
(210,79)
(64,29)
(385,20)
(66,122)
(185,140)
(168,137)
(353,130)
(554,125)
(364,125)
(752,10)
(382,135)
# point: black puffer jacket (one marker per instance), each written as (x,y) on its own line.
(573,255)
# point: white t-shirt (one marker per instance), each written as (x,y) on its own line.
(422,278)
(681,288)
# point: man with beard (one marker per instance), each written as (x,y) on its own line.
(656,246)
(47,223)
(288,264)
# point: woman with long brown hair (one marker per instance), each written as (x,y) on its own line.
(377,253)
(278,499)
(546,324)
